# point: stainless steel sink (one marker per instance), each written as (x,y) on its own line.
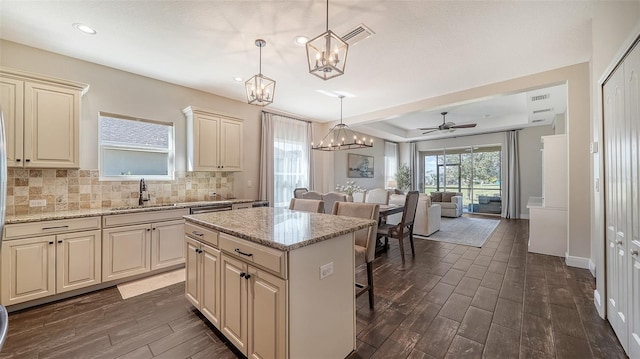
(142,207)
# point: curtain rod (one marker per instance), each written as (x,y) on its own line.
(287,116)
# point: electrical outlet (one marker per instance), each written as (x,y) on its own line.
(37,203)
(212,194)
(326,270)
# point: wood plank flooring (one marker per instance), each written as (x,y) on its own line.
(450,301)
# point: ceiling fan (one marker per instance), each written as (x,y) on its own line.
(446,126)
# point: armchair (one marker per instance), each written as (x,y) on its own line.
(451,203)
(428,214)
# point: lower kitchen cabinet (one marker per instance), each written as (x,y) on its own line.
(126,251)
(38,267)
(167,248)
(202,286)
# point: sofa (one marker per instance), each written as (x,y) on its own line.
(428,214)
(451,203)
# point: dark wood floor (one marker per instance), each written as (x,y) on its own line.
(450,301)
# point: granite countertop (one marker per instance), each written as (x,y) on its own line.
(280,228)
(48,216)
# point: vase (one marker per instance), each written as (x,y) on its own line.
(349,198)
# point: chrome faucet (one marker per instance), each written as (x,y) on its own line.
(144,195)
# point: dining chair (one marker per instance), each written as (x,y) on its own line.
(4,325)
(405,227)
(297,192)
(358,197)
(312,195)
(365,241)
(377,195)
(307,205)
(332,197)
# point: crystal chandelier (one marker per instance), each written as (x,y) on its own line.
(341,137)
(260,89)
(327,54)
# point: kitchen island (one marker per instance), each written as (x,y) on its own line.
(277,283)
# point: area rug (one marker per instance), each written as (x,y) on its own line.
(464,230)
(141,286)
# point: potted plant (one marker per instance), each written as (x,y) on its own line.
(403,178)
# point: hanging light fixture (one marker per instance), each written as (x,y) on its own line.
(341,137)
(260,89)
(327,54)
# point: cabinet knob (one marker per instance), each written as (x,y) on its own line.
(242,274)
(247,276)
(51,242)
(60,241)
(27,160)
(619,242)
(154,228)
(148,230)
(634,252)
(18,160)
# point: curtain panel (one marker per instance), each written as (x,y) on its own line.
(511,197)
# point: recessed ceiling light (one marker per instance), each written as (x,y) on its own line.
(300,40)
(85,28)
(238,79)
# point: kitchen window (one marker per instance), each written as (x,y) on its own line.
(131,148)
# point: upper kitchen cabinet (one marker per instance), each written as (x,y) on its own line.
(214,141)
(42,118)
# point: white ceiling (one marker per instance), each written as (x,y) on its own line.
(420,49)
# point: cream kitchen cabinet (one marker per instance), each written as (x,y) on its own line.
(42,116)
(138,243)
(202,282)
(37,265)
(214,141)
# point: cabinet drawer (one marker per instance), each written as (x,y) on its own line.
(143,217)
(13,231)
(268,258)
(202,234)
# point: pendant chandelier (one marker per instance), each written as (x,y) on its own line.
(260,89)
(327,54)
(341,137)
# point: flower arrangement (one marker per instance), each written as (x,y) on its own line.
(350,188)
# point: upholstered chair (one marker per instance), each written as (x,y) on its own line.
(405,227)
(297,193)
(365,241)
(330,198)
(377,195)
(312,195)
(307,205)
(358,197)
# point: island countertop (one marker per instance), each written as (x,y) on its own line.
(280,228)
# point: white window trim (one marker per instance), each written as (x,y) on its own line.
(109,145)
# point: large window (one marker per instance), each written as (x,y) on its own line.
(291,167)
(474,171)
(131,148)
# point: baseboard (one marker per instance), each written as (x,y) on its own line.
(597,301)
(577,262)
(592,268)
(524,215)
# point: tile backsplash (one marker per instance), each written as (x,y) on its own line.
(65,190)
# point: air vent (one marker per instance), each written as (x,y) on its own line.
(358,34)
(542,111)
(540,97)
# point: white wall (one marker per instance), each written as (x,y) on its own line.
(340,166)
(614,27)
(125,93)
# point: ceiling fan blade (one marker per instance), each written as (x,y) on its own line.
(428,128)
(433,130)
(468,125)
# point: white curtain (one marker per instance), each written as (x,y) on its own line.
(286,158)
(511,196)
(390,162)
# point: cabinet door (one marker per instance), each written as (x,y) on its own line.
(11,99)
(167,244)
(193,272)
(206,134)
(78,260)
(231,145)
(51,120)
(267,316)
(233,311)
(125,251)
(210,300)
(28,269)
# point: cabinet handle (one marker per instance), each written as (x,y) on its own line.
(18,160)
(51,242)
(52,228)
(634,252)
(60,241)
(27,160)
(148,230)
(237,250)
(247,276)
(242,274)
(197,234)
(619,242)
